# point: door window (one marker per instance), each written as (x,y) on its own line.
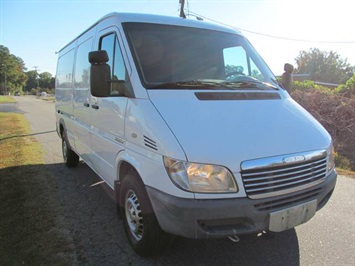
(64,75)
(119,75)
(82,66)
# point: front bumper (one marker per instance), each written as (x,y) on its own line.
(212,218)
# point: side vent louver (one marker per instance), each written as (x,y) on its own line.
(150,143)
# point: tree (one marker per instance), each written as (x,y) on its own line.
(46,80)
(233,72)
(32,80)
(12,76)
(324,66)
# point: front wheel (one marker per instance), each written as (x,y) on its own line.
(71,159)
(141,226)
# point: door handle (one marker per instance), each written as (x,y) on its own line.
(86,105)
(94,106)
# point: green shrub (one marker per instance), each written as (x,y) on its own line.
(347,89)
(309,85)
(34,91)
(303,85)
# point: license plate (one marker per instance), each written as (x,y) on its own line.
(291,217)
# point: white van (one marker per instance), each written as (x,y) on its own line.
(188,125)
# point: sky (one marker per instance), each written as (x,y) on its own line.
(279,29)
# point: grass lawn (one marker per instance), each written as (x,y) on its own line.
(6,99)
(28,234)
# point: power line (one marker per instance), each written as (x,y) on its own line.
(268,35)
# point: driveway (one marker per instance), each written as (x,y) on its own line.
(88,219)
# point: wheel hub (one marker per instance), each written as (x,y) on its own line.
(134,215)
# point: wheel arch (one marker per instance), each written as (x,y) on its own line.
(61,127)
(125,165)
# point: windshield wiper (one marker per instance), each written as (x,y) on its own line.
(249,85)
(190,84)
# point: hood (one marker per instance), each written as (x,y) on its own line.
(228,128)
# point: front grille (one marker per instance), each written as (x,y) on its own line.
(282,175)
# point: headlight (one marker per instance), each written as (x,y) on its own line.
(331,159)
(203,178)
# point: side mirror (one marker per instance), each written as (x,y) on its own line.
(100,74)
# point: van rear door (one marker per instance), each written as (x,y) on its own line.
(82,97)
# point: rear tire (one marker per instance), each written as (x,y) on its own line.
(71,159)
(140,224)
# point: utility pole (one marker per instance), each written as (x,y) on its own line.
(182,13)
(37,76)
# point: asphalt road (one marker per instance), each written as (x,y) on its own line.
(88,220)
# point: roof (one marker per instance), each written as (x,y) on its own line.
(158,19)
(169,20)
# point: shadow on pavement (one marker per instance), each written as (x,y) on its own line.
(10,108)
(28,135)
(87,217)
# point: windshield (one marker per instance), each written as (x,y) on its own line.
(178,57)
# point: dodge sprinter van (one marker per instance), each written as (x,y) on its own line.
(190,128)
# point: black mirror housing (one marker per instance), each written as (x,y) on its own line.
(100,74)
(98,57)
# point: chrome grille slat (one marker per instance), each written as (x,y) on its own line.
(319,168)
(282,185)
(282,170)
(283,174)
(314,175)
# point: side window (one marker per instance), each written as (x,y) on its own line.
(118,70)
(238,63)
(235,61)
(64,77)
(82,66)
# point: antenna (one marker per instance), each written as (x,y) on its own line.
(182,13)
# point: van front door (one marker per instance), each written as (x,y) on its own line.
(108,113)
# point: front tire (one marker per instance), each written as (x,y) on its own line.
(71,159)
(140,224)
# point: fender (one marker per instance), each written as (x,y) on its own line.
(124,156)
(60,123)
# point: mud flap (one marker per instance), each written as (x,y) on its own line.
(118,199)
